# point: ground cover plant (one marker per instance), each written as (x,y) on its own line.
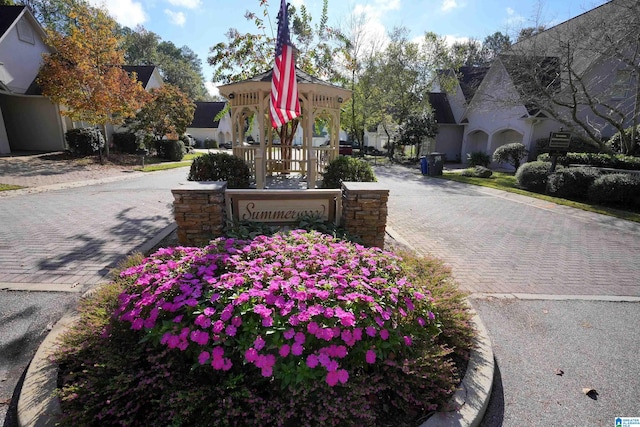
(296,329)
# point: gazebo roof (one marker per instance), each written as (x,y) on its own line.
(303,79)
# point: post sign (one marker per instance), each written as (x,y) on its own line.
(559,143)
(283,207)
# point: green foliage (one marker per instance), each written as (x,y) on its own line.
(170,149)
(210,143)
(577,144)
(533,176)
(348,169)
(169,112)
(126,142)
(478,158)
(510,153)
(84,141)
(478,172)
(572,183)
(618,189)
(221,167)
(249,229)
(615,161)
(617,145)
(416,127)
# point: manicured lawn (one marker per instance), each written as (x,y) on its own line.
(507,182)
(156,164)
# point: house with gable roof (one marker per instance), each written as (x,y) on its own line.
(502,103)
(206,125)
(28,120)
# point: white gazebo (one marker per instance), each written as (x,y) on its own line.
(318,100)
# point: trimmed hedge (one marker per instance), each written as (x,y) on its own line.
(346,168)
(170,149)
(533,176)
(572,183)
(210,143)
(615,142)
(126,142)
(477,172)
(615,161)
(221,167)
(619,189)
(511,153)
(84,141)
(478,158)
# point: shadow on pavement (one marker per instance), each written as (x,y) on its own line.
(494,415)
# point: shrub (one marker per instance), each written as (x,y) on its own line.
(221,167)
(210,143)
(511,154)
(577,144)
(572,183)
(345,169)
(84,141)
(618,189)
(615,142)
(615,161)
(294,329)
(126,142)
(533,176)
(477,172)
(170,149)
(478,158)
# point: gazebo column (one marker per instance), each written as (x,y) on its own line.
(260,153)
(307,121)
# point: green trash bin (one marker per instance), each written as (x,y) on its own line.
(435,163)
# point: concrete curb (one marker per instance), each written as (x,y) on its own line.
(472,398)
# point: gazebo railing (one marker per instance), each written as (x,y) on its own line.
(248,154)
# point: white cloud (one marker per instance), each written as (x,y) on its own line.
(450,40)
(297,3)
(177,18)
(448,5)
(212,88)
(513,18)
(129,13)
(189,4)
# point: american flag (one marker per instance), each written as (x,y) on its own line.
(284,103)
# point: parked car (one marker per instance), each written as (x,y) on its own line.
(226,145)
(372,151)
(190,140)
(345,148)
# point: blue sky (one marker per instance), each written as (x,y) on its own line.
(201,24)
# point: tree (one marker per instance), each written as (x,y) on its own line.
(468,53)
(403,75)
(247,55)
(168,112)
(54,15)
(493,45)
(84,73)
(178,66)
(584,73)
(417,127)
(510,153)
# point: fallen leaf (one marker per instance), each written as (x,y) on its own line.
(559,372)
(590,393)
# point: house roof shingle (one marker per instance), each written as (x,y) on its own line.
(470,79)
(441,107)
(8,15)
(143,72)
(205,113)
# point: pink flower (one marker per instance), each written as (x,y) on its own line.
(296,349)
(231,330)
(267,371)
(312,361)
(259,343)
(236,321)
(218,326)
(332,378)
(284,350)
(407,340)
(299,338)
(421,321)
(384,334)
(203,358)
(251,355)
(370,357)
(289,334)
(267,321)
(343,376)
(371,331)
(431,316)
(312,328)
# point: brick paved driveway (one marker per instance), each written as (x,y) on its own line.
(497,242)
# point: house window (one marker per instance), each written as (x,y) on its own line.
(25,32)
(621,85)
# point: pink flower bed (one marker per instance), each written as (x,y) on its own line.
(296,308)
